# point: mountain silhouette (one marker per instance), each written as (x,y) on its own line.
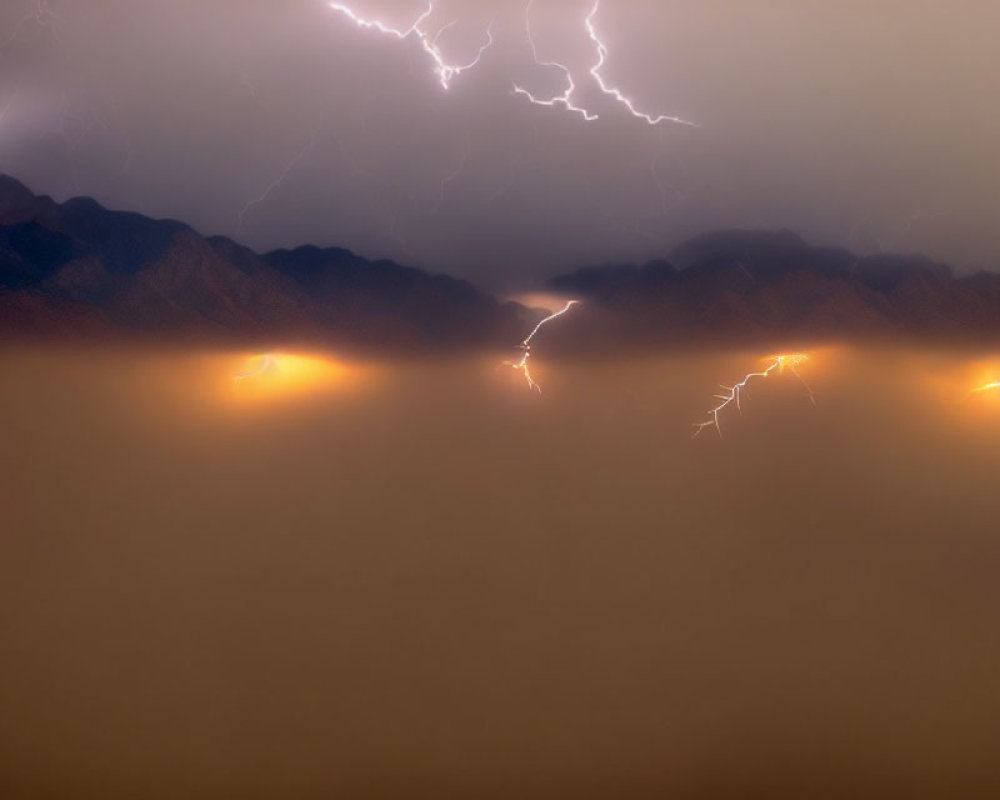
(739,285)
(76,269)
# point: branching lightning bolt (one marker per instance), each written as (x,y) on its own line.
(595,71)
(445,72)
(565,99)
(522,365)
(734,394)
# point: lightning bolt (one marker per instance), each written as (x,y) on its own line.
(565,99)
(522,365)
(734,394)
(445,72)
(273,185)
(595,71)
(447,180)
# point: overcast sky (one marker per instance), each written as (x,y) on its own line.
(872,124)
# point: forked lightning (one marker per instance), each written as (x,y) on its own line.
(447,72)
(444,71)
(733,396)
(522,365)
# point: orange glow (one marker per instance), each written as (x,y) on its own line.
(979,377)
(257,367)
(986,387)
(964,386)
(522,367)
(789,360)
(546,301)
(269,376)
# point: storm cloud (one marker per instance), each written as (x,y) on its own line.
(867,125)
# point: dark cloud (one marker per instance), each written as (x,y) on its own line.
(858,124)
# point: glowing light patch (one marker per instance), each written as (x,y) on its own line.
(261,365)
(273,375)
(548,302)
(993,388)
(522,364)
(968,384)
(734,393)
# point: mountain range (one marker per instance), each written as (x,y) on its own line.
(748,285)
(78,270)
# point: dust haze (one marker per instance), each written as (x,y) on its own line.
(420,579)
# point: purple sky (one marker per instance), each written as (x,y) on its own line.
(872,125)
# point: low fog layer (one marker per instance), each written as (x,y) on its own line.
(405,580)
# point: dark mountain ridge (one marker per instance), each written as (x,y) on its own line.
(746,285)
(76,269)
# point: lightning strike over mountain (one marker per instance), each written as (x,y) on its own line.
(733,396)
(444,71)
(522,365)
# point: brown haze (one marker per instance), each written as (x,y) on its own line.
(420,580)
